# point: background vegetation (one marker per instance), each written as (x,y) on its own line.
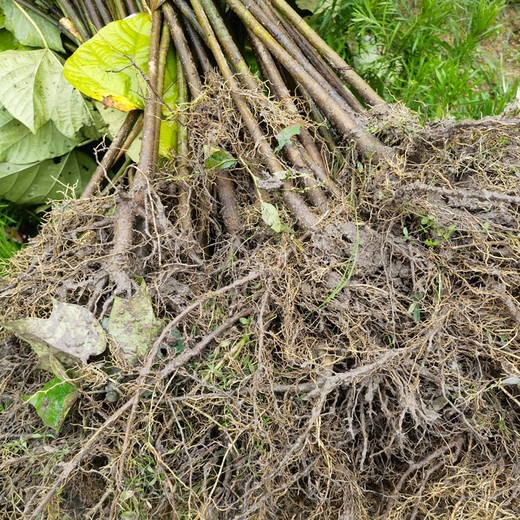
(427,54)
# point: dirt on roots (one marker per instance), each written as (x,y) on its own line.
(366,369)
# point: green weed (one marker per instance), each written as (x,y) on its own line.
(426,53)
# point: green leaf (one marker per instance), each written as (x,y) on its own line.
(53,402)
(271,217)
(7,41)
(284,137)
(133,324)
(34,91)
(28,27)
(39,182)
(70,335)
(20,146)
(111,66)
(217,159)
(167,138)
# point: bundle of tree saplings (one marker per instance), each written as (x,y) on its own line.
(309,302)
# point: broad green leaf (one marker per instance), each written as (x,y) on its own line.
(71,334)
(28,27)
(53,402)
(20,146)
(111,66)
(217,159)
(34,91)
(284,137)
(271,217)
(133,324)
(39,182)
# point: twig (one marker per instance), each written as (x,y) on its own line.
(459,193)
(111,154)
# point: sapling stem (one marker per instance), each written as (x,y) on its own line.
(111,154)
(344,70)
(183,51)
(93,15)
(282,93)
(295,202)
(366,143)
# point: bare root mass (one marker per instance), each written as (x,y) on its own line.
(357,368)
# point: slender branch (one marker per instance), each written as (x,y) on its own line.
(282,93)
(183,50)
(71,13)
(94,17)
(262,13)
(111,154)
(199,48)
(147,159)
(346,72)
(131,6)
(297,205)
(120,8)
(104,12)
(188,14)
(321,66)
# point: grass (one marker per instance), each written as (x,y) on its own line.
(427,54)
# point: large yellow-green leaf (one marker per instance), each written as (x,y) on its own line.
(28,27)
(110,67)
(39,182)
(34,91)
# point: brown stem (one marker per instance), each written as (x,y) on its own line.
(184,205)
(199,48)
(230,48)
(111,154)
(228,202)
(323,69)
(188,15)
(282,93)
(93,15)
(104,12)
(344,70)
(264,16)
(183,50)
(151,123)
(366,143)
(297,205)
(131,6)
